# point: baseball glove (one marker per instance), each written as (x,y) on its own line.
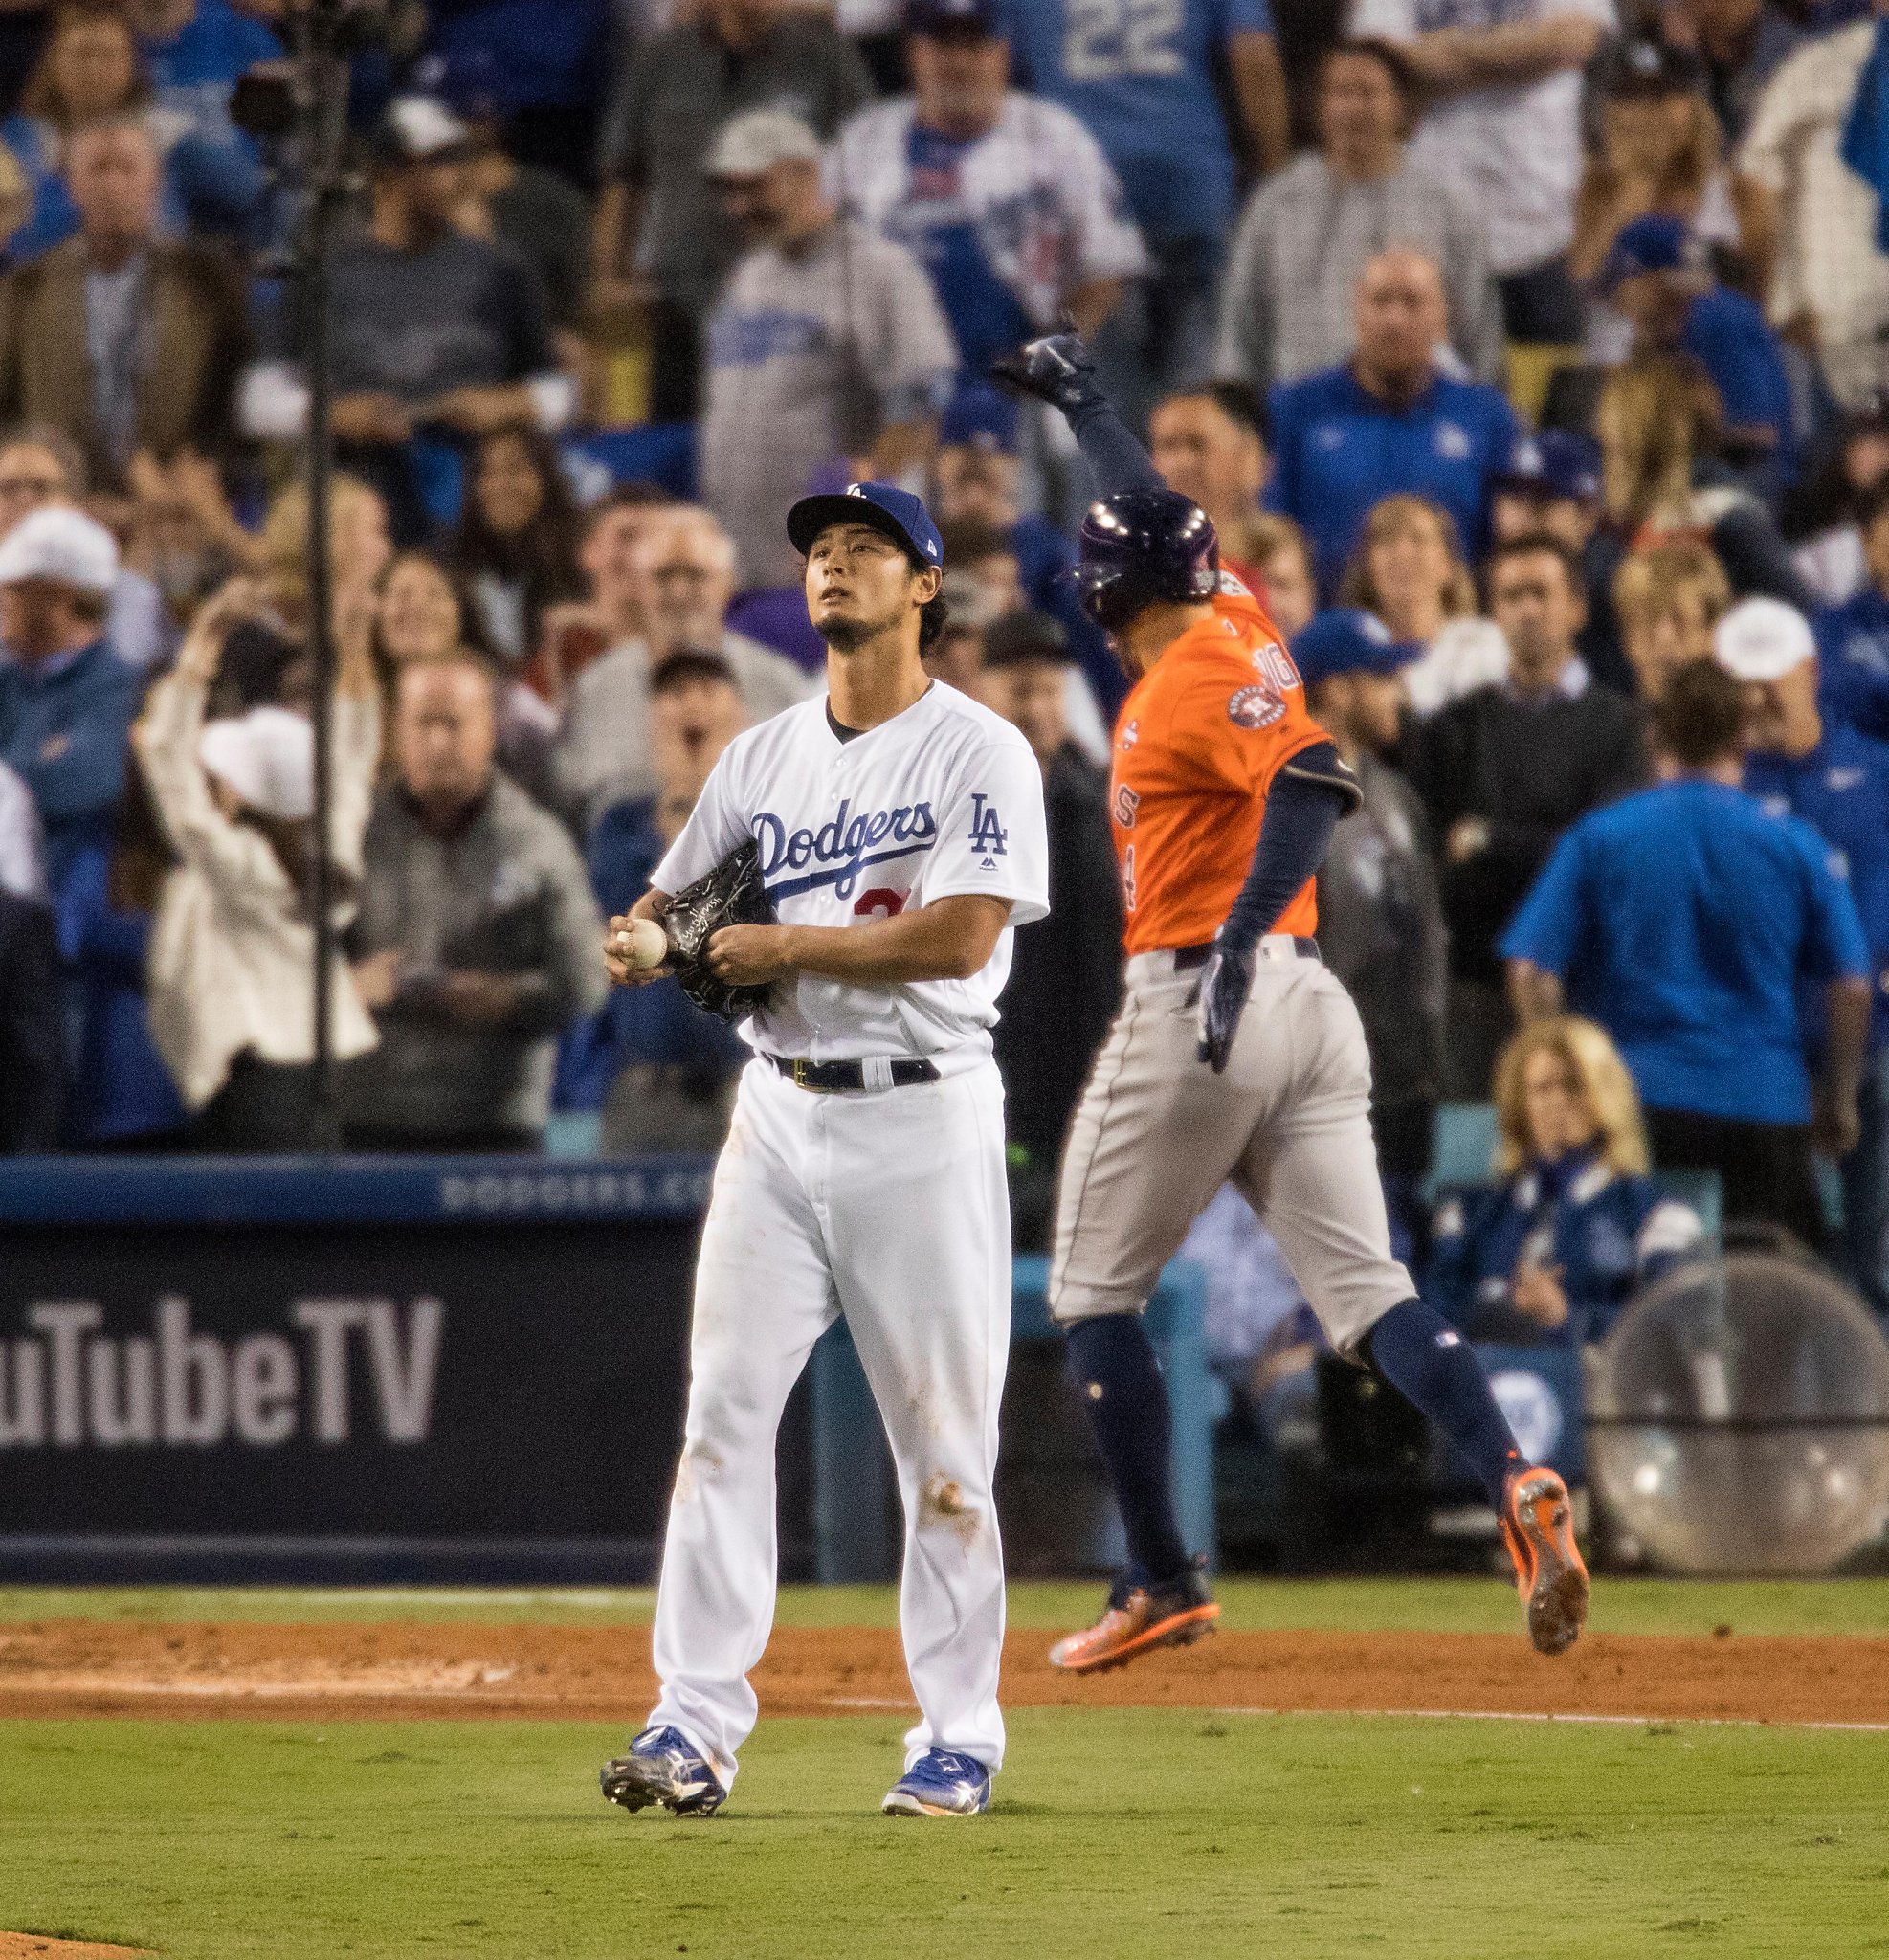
(732,894)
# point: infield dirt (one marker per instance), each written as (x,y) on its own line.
(408,1669)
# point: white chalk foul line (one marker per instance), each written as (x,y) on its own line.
(1584,1720)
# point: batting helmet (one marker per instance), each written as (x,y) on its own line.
(1142,546)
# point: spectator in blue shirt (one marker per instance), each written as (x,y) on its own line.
(660,1071)
(1146,82)
(1386,420)
(1659,275)
(1797,764)
(1684,920)
(1852,638)
(1575,1227)
(66,699)
(196,52)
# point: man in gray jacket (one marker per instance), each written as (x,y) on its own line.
(1308,233)
(476,940)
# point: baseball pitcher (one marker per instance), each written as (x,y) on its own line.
(1235,1055)
(897,827)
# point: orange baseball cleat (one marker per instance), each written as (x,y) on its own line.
(1538,1527)
(1140,1619)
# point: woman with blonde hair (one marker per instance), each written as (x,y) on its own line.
(1668,600)
(1575,1226)
(1408,569)
(1660,422)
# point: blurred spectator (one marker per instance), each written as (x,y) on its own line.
(40,467)
(1831,290)
(183,539)
(66,702)
(1661,154)
(1668,600)
(660,1070)
(1066,969)
(118,338)
(683,573)
(195,51)
(956,657)
(1740,44)
(22,841)
(1575,1227)
(232,953)
(976,478)
(1551,483)
(32,1028)
(1207,443)
(1659,422)
(1505,770)
(1005,200)
(1380,917)
(1853,638)
(662,240)
(1282,556)
(1682,920)
(15,206)
(541,215)
(478,939)
(1837,781)
(518,537)
(574,635)
(1855,460)
(1659,277)
(266,657)
(1386,420)
(1503,126)
(433,330)
(1286,303)
(826,347)
(1149,87)
(1408,571)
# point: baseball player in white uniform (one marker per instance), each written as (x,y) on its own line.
(901,831)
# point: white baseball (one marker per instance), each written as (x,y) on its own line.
(642,944)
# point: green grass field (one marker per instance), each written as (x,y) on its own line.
(1129,1832)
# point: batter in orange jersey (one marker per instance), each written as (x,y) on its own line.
(1198,745)
(1236,1056)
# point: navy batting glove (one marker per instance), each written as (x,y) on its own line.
(1059,370)
(1225,982)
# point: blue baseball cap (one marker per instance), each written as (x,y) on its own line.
(884,506)
(980,417)
(954,19)
(1348,640)
(1552,462)
(1654,243)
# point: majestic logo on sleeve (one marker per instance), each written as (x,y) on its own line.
(986,834)
(841,848)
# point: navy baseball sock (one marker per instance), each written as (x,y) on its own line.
(1420,1354)
(1112,1362)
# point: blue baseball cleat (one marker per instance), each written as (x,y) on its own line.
(942,1783)
(663,1766)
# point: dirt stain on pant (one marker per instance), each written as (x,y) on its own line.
(942,1498)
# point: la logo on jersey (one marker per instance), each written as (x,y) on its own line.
(986,834)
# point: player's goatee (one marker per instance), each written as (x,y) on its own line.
(847,636)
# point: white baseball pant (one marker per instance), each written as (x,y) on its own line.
(890,1207)
(1157,1133)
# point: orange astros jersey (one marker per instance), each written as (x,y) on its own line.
(1197,745)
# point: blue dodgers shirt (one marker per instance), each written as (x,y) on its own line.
(939,226)
(1853,662)
(1727,335)
(1338,450)
(1140,74)
(1841,790)
(1682,920)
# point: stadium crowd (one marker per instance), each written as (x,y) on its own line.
(1532,359)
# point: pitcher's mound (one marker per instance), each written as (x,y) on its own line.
(40,1947)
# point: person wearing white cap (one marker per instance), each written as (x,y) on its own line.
(66,701)
(231,960)
(1837,781)
(828,348)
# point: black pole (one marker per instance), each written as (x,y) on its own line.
(324,122)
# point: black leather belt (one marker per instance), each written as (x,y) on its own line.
(834,1077)
(1187,957)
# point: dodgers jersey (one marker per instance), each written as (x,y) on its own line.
(945,799)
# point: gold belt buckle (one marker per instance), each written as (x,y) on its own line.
(801,1068)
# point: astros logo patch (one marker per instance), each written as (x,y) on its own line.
(1255,707)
